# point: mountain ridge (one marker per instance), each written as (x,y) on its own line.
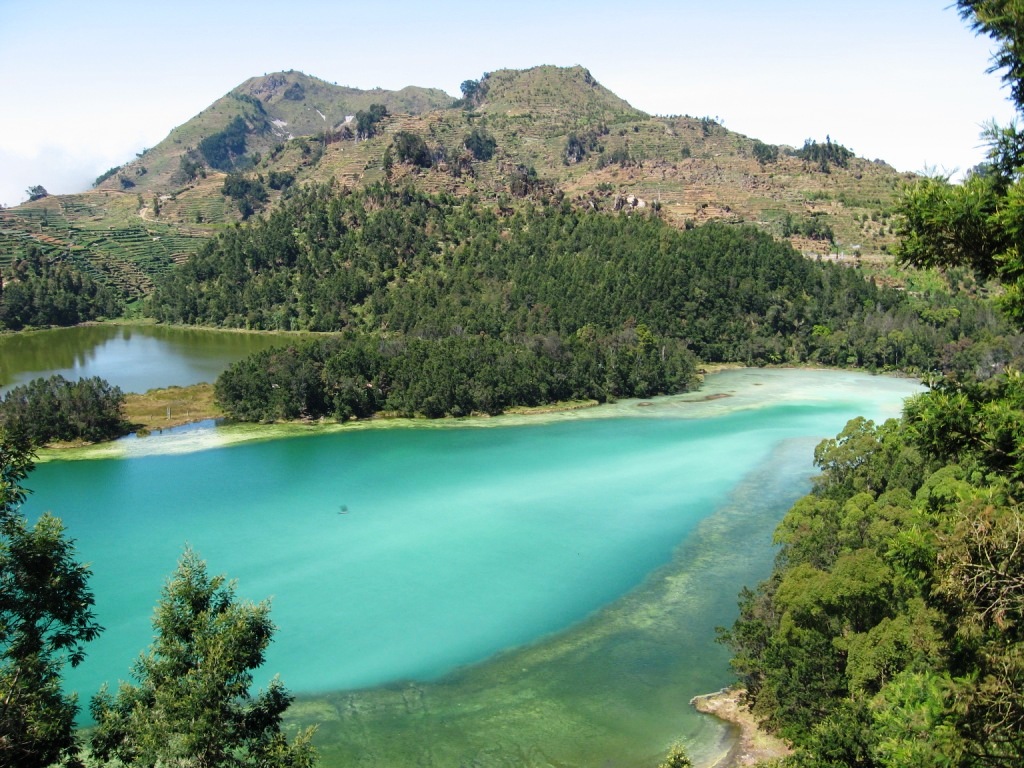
(276,106)
(547,131)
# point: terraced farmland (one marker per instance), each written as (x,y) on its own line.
(101,234)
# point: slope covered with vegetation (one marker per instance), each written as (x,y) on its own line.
(523,252)
(891,630)
(252,118)
(40,291)
(516,136)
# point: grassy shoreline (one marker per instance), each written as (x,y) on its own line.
(156,410)
(168,407)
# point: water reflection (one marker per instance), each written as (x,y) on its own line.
(135,358)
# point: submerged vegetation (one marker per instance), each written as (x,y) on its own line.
(890,630)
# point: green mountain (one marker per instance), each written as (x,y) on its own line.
(546,132)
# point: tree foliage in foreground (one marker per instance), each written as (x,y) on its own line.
(980,222)
(46,618)
(891,631)
(192,702)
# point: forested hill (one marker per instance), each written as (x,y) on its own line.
(890,631)
(409,268)
(399,261)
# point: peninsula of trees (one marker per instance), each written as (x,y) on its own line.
(450,307)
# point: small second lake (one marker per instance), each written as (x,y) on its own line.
(135,358)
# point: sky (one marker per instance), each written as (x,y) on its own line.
(87,85)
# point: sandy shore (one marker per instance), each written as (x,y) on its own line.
(753,746)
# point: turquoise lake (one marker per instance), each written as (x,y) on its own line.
(544,587)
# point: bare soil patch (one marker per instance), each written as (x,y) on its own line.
(754,746)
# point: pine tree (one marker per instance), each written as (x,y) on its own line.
(192,703)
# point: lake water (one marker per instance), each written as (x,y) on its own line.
(498,592)
(134,357)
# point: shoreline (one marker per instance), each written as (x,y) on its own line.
(675,593)
(179,427)
(732,389)
(749,744)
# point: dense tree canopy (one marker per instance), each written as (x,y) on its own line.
(359,375)
(222,149)
(549,289)
(825,155)
(46,619)
(40,291)
(891,630)
(54,408)
(401,262)
(368,121)
(481,144)
(411,148)
(249,194)
(889,633)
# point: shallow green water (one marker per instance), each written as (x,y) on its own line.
(532,594)
(134,357)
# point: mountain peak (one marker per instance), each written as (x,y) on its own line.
(274,87)
(567,94)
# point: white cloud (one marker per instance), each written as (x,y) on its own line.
(61,170)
